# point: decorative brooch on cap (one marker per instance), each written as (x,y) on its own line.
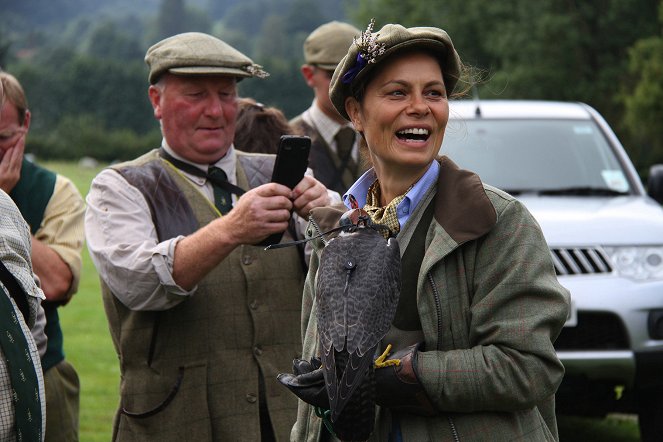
(369,50)
(256,70)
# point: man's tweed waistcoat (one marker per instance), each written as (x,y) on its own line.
(191,373)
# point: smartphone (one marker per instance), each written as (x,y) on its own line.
(291,160)
(289,168)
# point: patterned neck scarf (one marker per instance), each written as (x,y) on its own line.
(383,215)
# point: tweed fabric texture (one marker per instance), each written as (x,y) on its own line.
(198,363)
(490,308)
(195,53)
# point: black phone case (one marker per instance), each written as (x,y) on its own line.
(289,168)
(291,160)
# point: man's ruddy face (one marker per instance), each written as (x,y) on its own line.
(197,114)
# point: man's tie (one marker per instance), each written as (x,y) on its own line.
(223,189)
(345,140)
(22,373)
(222,197)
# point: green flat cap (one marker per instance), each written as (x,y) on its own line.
(371,49)
(195,53)
(328,44)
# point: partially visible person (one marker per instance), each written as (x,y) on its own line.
(202,319)
(22,397)
(480,305)
(54,211)
(335,157)
(259,127)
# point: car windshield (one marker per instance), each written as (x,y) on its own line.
(552,157)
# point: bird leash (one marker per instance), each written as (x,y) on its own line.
(349,222)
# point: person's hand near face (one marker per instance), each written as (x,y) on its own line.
(12,147)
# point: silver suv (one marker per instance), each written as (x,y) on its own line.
(605,234)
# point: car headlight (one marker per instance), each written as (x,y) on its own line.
(637,263)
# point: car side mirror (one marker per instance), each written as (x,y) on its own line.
(655,182)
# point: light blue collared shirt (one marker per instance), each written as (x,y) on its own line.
(360,190)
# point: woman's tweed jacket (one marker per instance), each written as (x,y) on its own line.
(490,307)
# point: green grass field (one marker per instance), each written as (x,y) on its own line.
(89,348)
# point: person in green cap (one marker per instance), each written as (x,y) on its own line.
(334,153)
(480,305)
(202,319)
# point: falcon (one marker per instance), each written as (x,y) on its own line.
(358,286)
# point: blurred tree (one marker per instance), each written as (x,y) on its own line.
(643,99)
(43,13)
(218,8)
(113,91)
(109,40)
(197,20)
(236,38)
(247,17)
(5,44)
(304,16)
(84,135)
(170,19)
(273,39)
(284,88)
(75,34)
(175,17)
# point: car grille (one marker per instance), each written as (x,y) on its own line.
(580,261)
(595,331)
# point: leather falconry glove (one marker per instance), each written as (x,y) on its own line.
(397,384)
(307,382)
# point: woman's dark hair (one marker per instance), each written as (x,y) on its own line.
(259,127)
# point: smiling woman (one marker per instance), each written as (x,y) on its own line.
(473,349)
(404,113)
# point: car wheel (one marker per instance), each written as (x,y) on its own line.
(650,414)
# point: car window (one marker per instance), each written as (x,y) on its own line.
(536,155)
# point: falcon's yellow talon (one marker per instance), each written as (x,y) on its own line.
(382,360)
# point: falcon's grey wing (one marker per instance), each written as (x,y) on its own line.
(357,293)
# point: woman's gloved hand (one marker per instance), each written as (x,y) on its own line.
(397,385)
(307,382)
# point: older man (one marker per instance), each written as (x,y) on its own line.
(202,319)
